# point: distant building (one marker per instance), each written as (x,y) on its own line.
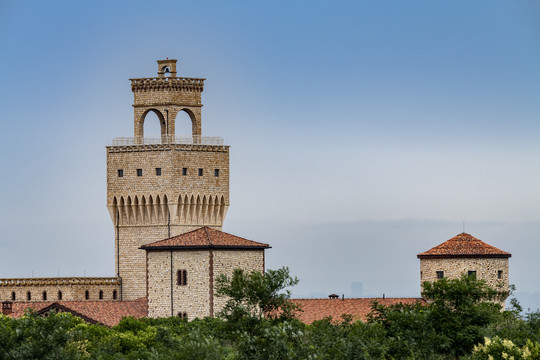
(465,254)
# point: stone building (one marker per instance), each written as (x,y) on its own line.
(465,254)
(157,189)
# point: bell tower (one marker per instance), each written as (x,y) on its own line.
(158,188)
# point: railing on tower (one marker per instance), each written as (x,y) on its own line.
(187,140)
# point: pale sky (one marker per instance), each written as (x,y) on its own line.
(362,132)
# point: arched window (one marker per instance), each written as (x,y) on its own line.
(114,294)
(59,295)
(100,294)
(13,297)
(44,296)
(182,315)
(28,295)
(87,294)
(181,277)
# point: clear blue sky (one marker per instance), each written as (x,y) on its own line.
(361,132)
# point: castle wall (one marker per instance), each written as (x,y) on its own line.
(225,261)
(202,267)
(486,269)
(73,289)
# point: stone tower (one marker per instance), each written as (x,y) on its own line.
(465,254)
(158,188)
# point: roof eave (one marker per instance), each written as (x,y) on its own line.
(203,247)
(447,256)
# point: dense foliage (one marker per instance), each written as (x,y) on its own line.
(456,323)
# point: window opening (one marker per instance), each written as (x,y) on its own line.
(200,172)
(184,171)
(44,295)
(158,171)
(471,273)
(139,172)
(87,294)
(216,172)
(181,277)
(100,294)
(28,295)
(59,295)
(114,294)
(13,297)
(499,274)
(440,274)
(120,173)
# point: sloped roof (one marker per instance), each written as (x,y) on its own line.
(204,238)
(358,308)
(107,313)
(464,245)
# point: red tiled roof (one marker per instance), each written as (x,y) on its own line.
(464,245)
(359,308)
(107,313)
(204,237)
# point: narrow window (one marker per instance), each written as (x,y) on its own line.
(181,277)
(471,273)
(184,171)
(59,295)
(139,172)
(13,297)
(200,172)
(87,294)
(120,173)
(28,295)
(499,274)
(440,274)
(158,171)
(182,315)
(114,294)
(216,172)
(100,294)
(44,295)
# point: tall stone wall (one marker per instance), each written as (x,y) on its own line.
(196,298)
(153,207)
(72,289)
(486,269)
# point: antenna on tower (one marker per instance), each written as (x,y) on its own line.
(464,226)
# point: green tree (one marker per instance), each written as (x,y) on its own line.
(256,295)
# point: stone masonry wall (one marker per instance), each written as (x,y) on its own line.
(73,289)
(225,261)
(194,297)
(486,269)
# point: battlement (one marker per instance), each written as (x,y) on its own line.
(167,83)
(61,281)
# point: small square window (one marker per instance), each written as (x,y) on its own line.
(120,173)
(440,274)
(158,171)
(216,172)
(184,171)
(139,172)
(471,273)
(499,274)
(200,172)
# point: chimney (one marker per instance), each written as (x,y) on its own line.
(7,307)
(333,296)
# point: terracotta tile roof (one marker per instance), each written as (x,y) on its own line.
(205,237)
(359,308)
(464,245)
(107,313)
